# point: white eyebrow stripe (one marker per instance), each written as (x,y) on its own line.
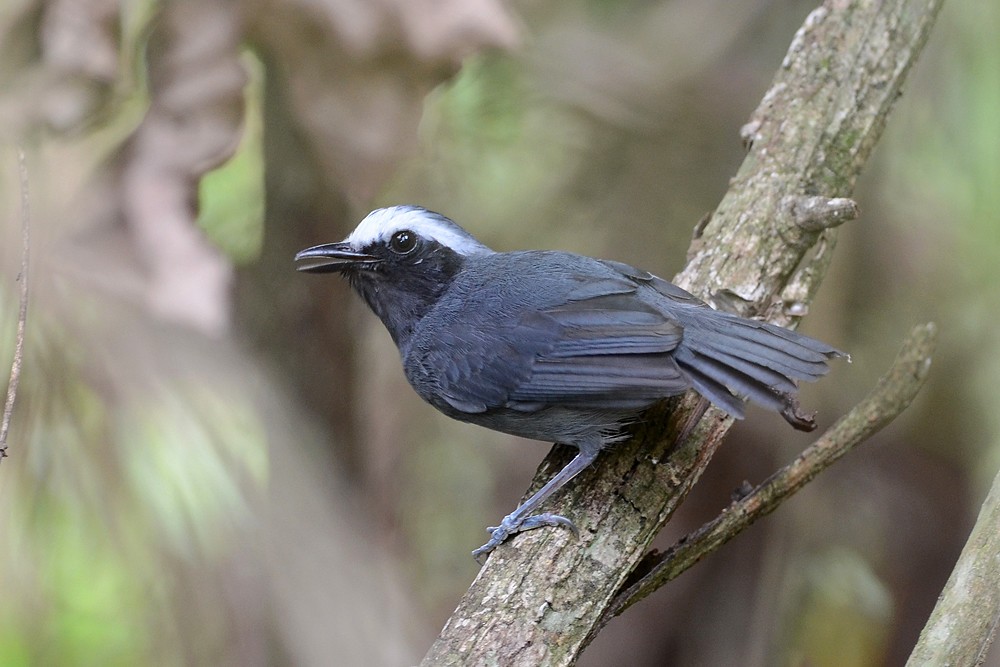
(381,224)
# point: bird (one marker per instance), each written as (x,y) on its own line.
(555,346)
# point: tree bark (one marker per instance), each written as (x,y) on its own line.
(540,595)
(965,619)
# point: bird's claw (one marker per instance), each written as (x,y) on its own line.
(548,519)
(509,526)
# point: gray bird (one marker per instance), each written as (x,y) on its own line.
(552,345)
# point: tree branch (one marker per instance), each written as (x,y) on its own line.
(541,594)
(964,622)
(893,393)
(22,314)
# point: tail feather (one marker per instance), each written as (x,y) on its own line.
(752,368)
(768,337)
(784,363)
(738,382)
(726,357)
(715,391)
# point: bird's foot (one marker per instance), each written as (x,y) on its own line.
(511,525)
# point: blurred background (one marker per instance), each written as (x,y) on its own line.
(217,461)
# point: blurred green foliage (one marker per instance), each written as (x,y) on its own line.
(841,612)
(943,167)
(108,502)
(487,134)
(231,197)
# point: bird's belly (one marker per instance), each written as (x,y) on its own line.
(584,429)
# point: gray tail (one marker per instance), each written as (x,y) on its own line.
(728,357)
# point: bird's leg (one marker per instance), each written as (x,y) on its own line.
(522,519)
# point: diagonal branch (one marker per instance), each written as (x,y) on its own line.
(965,620)
(540,595)
(22,313)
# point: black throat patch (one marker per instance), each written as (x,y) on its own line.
(402,288)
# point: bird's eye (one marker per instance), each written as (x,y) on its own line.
(403,242)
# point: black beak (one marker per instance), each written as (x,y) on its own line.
(332,258)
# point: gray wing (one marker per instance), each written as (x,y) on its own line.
(613,351)
(599,347)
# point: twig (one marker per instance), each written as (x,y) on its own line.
(22,315)
(814,214)
(893,393)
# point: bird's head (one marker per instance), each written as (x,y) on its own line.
(397,236)
(400,259)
